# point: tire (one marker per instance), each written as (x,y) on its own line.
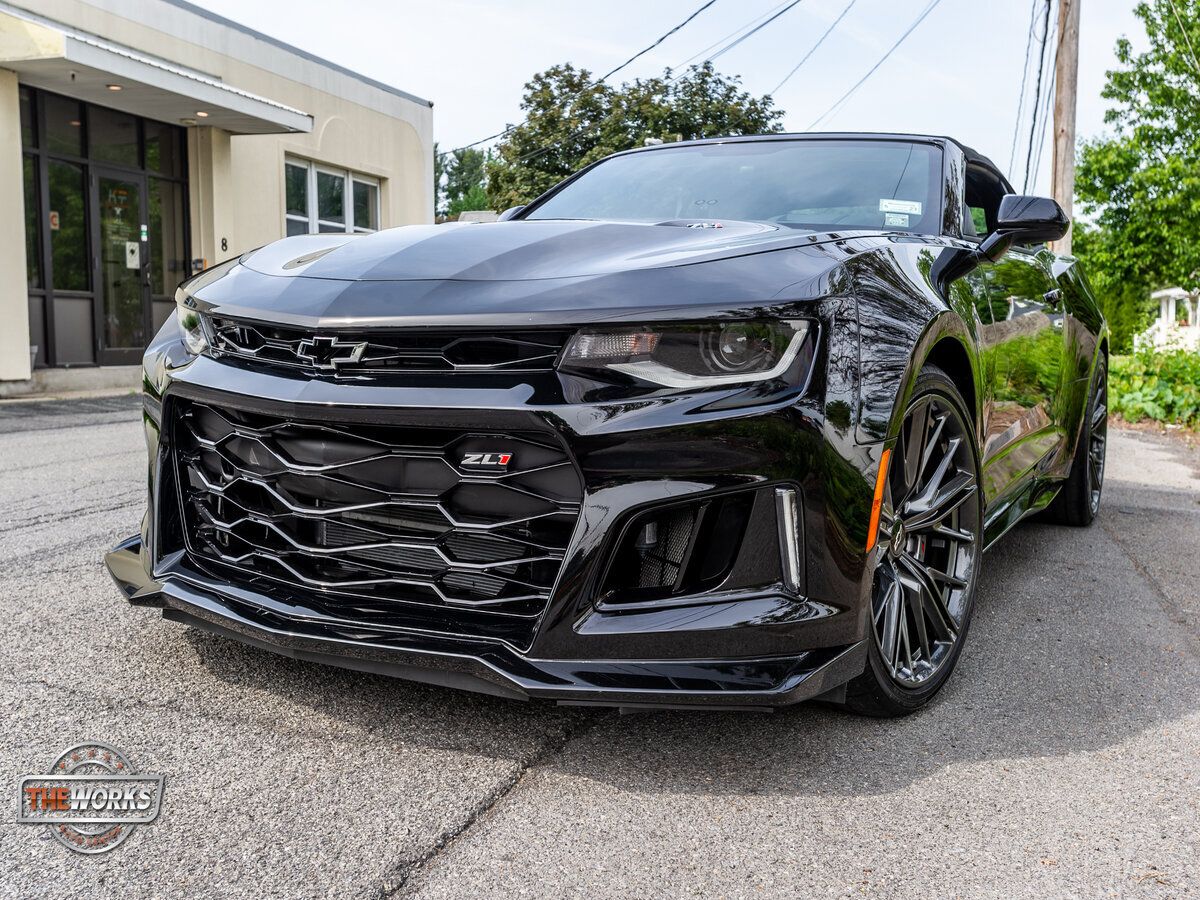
(926,560)
(1078,500)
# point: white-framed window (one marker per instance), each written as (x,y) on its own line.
(321,199)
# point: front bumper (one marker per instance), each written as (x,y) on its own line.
(762,648)
(479,666)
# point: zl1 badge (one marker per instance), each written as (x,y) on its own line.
(490,461)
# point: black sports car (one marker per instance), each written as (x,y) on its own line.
(718,423)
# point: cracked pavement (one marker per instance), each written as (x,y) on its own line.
(1063,758)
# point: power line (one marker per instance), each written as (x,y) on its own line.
(492,137)
(846,96)
(605,76)
(731,34)
(1037,95)
(1012,152)
(774,14)
(1187,37)
(814,47)
(1037,159)
(1059,37)
(753,31)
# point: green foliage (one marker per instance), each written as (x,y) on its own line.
(439,175)
(1125,301)
(572,121)
(464,174)
(459,177)
(1159,385)
(1142,183)
(474,197)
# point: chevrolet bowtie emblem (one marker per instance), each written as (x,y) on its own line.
(328,353)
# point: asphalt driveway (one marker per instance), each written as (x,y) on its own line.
(1063,759)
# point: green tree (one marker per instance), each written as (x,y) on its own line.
(474,197)
(464,170)
(439,176)
(571,121)
(1126,303)
(1141,184)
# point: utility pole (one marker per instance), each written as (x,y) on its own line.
(1066,81)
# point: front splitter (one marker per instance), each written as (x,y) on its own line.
(489,668)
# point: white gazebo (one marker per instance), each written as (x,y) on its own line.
(1168,331)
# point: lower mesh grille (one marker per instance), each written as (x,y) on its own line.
(383,524)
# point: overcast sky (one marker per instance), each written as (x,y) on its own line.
(958,73)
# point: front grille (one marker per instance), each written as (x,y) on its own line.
(380,524)
(351,353)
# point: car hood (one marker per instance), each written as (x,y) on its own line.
(504,273)
(515,251)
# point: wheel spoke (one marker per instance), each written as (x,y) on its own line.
(888,635)
(946,577)
(935,602)
(953,534)
(914,448)
(1100,413)
(956,492)
(907,643)
(931,445)
(928,495)
(887,518)
(916,603)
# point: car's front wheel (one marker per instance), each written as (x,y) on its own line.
(927,554)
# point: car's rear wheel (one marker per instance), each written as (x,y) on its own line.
(927,554)
(1078,500)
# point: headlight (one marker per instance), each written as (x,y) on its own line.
(190,325)
(690,356)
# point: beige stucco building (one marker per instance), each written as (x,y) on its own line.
(146,139)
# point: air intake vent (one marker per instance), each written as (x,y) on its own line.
(682,550)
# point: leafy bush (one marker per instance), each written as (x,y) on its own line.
(1159,385)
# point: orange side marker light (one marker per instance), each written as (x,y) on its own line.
(877,502)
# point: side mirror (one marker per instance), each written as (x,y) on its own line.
(509,213)
(1025,220)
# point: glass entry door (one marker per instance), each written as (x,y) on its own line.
(123,265)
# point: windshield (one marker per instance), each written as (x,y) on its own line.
(812,184)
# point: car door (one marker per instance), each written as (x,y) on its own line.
(1023,351)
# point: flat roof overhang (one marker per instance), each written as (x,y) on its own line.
(51,56)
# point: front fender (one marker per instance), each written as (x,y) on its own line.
(885,398)
(902,320)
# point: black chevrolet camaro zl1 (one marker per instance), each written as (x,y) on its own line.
(723,423)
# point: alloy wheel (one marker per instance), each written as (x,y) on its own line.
(928,543)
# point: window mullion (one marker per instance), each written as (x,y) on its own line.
(313,228)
